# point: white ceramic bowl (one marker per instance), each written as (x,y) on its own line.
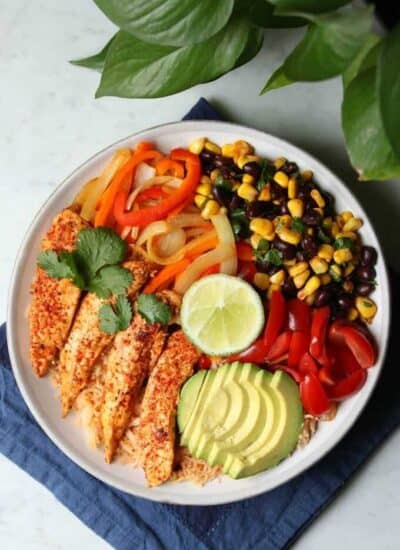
(41,396)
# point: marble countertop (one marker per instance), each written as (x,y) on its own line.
(51,123)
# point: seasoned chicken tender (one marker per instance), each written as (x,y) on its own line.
(157,419)
(54,301)
(133,353)
(87,341)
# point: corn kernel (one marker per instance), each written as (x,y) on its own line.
(247,178)
(265,194)
(228,150)
(255,240)
(342,256)
(348,270)
(335,272)
(261,280)
(310,231)
(296,207)
(352,314)
(245,159)
(307,175)
(281,179)
(215,174)
(213,147)
(334,229)
(204,189)
(327,222)
(210,209)
(293,188)
(348,286)
(319,211)
(346,215)
(272,288)
(300,280)
(347,234)
(325,252)
(241,148)
(310,299)
(310,287)
(366,307)
(318,198)
(279,162)
(339,221)
(353,224)
(325,279)
(318,265)
(284,220)
(200,201)
(300,267)
(289,263)
(197,146)
(262,226)
(205,179)
(278,278)
(247,192)
(290,236)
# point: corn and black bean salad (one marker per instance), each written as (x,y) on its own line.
(300,244)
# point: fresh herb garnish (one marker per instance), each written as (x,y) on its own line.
(323,237)
(343,242)
(113,319)
(366,303)
(274,256)
(266,173)
(261,250)
(298,225)
(153,309)
(93,264)
(222,182)
(240,223)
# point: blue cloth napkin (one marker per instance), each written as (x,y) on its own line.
(268,522)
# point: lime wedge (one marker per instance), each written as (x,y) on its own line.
(221,314)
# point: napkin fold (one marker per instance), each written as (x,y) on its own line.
(268,522)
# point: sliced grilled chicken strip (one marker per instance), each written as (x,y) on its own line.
(54,301)
(86,340)
(157,419)
(132,354)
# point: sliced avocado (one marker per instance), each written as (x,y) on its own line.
(188,397)
(243,418)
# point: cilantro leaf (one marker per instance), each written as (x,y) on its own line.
(240,223)
(153,309)
(222,182)
(98,247)
(261,250)
(323,237)
(117,318)
(274,256)
(343,242)
(111,279)
(266,173)
(298,225)
(60,266)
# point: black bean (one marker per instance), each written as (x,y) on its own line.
(322,297)
(344,301)
(309,246)
(220,161)
(288,288)
(290,168)
(365,273)
(301,256)
(262,209)
(368,255)
(206,168)
(284,209)
(222,195)
(237,202)
(363,289)
(207,155)
(252,168)
(339,313)
(311,218)
(266,267)
(277,192)
(288,250)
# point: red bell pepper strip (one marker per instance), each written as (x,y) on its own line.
(356,340)
(151,193)
(246,271)
(166,165)
(299,315)
(307,365)
(342,359)
(204,362)
(298,346)
(210,270)
(276,318)
(292,372)
(256,353)
(347,386)
(313,395)
(319,325)
(144,216)
(244,252)
(280,347)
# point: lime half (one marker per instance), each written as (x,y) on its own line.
(221,314)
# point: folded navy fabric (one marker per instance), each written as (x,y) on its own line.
(270,521)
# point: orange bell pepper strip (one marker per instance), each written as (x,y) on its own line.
(166,275)
(144,216)
(143,146)
(167,165)
(120,181)
(205,245)
(244,252)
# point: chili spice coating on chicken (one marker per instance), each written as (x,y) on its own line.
(157,419)
(54,301)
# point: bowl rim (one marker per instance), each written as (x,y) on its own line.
(144,491)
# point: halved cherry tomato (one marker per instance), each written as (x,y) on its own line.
(347,386)
(292,372)
(319,325)
(276,318)
(342,359)
(308,365)
(313,395)
(298,347)
(244,252)
(256,353)
(356,340)
(280,347)
(246,271)
(204,362)
(299,315)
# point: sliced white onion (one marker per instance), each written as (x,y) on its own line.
(150,182)
(226,238)
(171,242)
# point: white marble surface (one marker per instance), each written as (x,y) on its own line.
(50,123)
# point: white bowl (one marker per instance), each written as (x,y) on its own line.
(42,398)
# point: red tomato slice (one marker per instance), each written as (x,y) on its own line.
(280,347)
(276,318)
(256,353)
(326,376)
(244,251)
(361,346)
(292,372)
(298,346)
(246,271)
(348,386)
(204,362)
(319,325)
(342,359)
(314,398)
(308,365)
(299,315)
